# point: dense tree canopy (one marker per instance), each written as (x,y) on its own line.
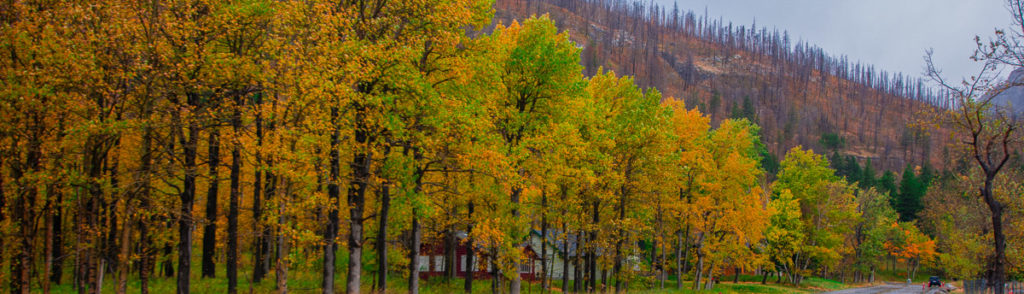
(302,128)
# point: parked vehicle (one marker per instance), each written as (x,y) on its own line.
(934,281)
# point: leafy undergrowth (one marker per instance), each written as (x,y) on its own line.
(305,278)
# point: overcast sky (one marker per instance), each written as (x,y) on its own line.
(890,34)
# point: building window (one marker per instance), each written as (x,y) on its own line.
(525,268)
(424,263)
(438,263)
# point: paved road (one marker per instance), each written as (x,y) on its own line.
(888,289)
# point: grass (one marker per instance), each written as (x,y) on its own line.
(308,281)
(305,274)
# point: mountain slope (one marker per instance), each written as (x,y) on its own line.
(796,92)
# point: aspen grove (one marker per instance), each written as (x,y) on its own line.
(148,146)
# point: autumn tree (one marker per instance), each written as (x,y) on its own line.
(987,133)
(537,69)
(828,210)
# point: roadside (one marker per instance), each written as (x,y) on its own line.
(891,288)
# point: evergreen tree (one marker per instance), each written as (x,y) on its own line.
(867,178)
(852,170)
(908,202)
(887,184)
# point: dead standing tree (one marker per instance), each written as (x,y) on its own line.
(990,133)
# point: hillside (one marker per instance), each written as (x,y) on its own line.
(796,92)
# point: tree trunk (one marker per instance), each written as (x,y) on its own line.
(21,263)
(468,285)
(664,267)
(281,266)
(565,259)
(48,247)
(592,251)
(617,268)
(269,190)
(185,218)
(233,201)
(257,204)
(604,278)
(210,227)
(872,279)
(360,167)
(450,243)
(122,256)
(146,258)
(333,193)
(999,261)
(495,273)
(414,254)
(578,268)
(168,262)
(544,240)
(698,271)
(710,283)
(517,280)
(57,243)
(679,256)
(382,236)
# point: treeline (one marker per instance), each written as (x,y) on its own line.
(793,57)
(299,129)
(798,91)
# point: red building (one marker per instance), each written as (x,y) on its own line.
(432,261)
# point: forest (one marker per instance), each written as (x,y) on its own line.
(796,91)
(378,146)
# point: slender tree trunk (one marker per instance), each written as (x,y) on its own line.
(414,254)
(686,251)
(664,266)
(596,218)
(281,266)
(565,259)
(517,280)
(544,240)
(110,246)
(48,247)
(621,239)
(234,198)
(210,228)
(495,273)
(122,256)
(452,242)
(57,242)
(382,236)
(269,190)
(333,193)
(257,204)
(604,278)
(146,258)
(998,266)
(360,167)
(710,284)
(21,265)
(468,286)
(872,279)
(577,267)
(187,201)
(698,271)
(168,262)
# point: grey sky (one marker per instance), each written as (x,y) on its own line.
(890,34)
